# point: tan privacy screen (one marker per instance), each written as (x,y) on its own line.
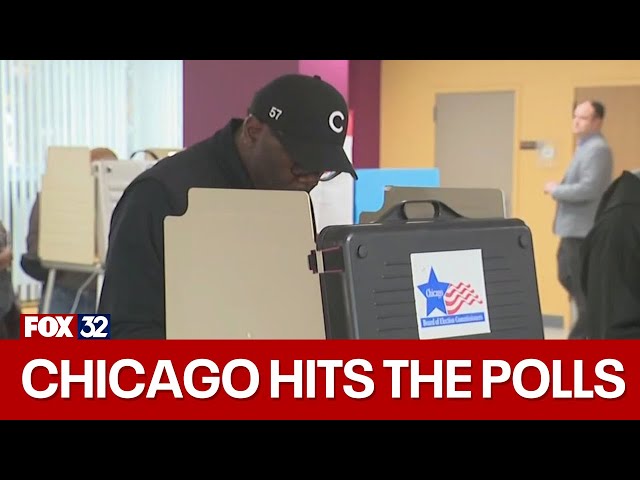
(67,207)
(236,267)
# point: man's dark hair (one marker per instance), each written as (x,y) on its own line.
(598,109)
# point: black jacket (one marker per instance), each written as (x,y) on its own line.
(611,263)
(134,288)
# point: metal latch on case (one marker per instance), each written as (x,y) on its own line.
(329,260)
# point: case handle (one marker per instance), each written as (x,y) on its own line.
(399,212)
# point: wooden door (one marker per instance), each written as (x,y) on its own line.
(474,141)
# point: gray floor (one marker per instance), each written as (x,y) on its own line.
(554,333)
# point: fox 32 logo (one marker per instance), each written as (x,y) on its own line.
(81,326)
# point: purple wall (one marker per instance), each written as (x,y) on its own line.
(364,97)
(216,90)
(335,72)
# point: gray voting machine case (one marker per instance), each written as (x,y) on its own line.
(441,277)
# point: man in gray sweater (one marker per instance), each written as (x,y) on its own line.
(577,197)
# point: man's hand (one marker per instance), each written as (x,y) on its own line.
(6,257)
(549,187)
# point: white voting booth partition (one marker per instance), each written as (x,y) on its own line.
(112,177)
(76,203)
(333,201)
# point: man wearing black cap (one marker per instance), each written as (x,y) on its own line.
(292,138)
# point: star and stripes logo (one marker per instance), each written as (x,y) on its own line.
(449,298)
(450,295)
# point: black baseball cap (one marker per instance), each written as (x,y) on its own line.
(310,118)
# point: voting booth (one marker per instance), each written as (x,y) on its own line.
(111,179)
(67,207)
(236,267)
(67,221)
(248,264)
(77,199)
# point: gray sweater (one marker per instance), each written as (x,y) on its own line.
(578,196)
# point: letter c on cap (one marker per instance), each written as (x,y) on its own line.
(332,121)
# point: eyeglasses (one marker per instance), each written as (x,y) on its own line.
(298,171)
(326,176)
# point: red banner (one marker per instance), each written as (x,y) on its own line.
(67,378)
